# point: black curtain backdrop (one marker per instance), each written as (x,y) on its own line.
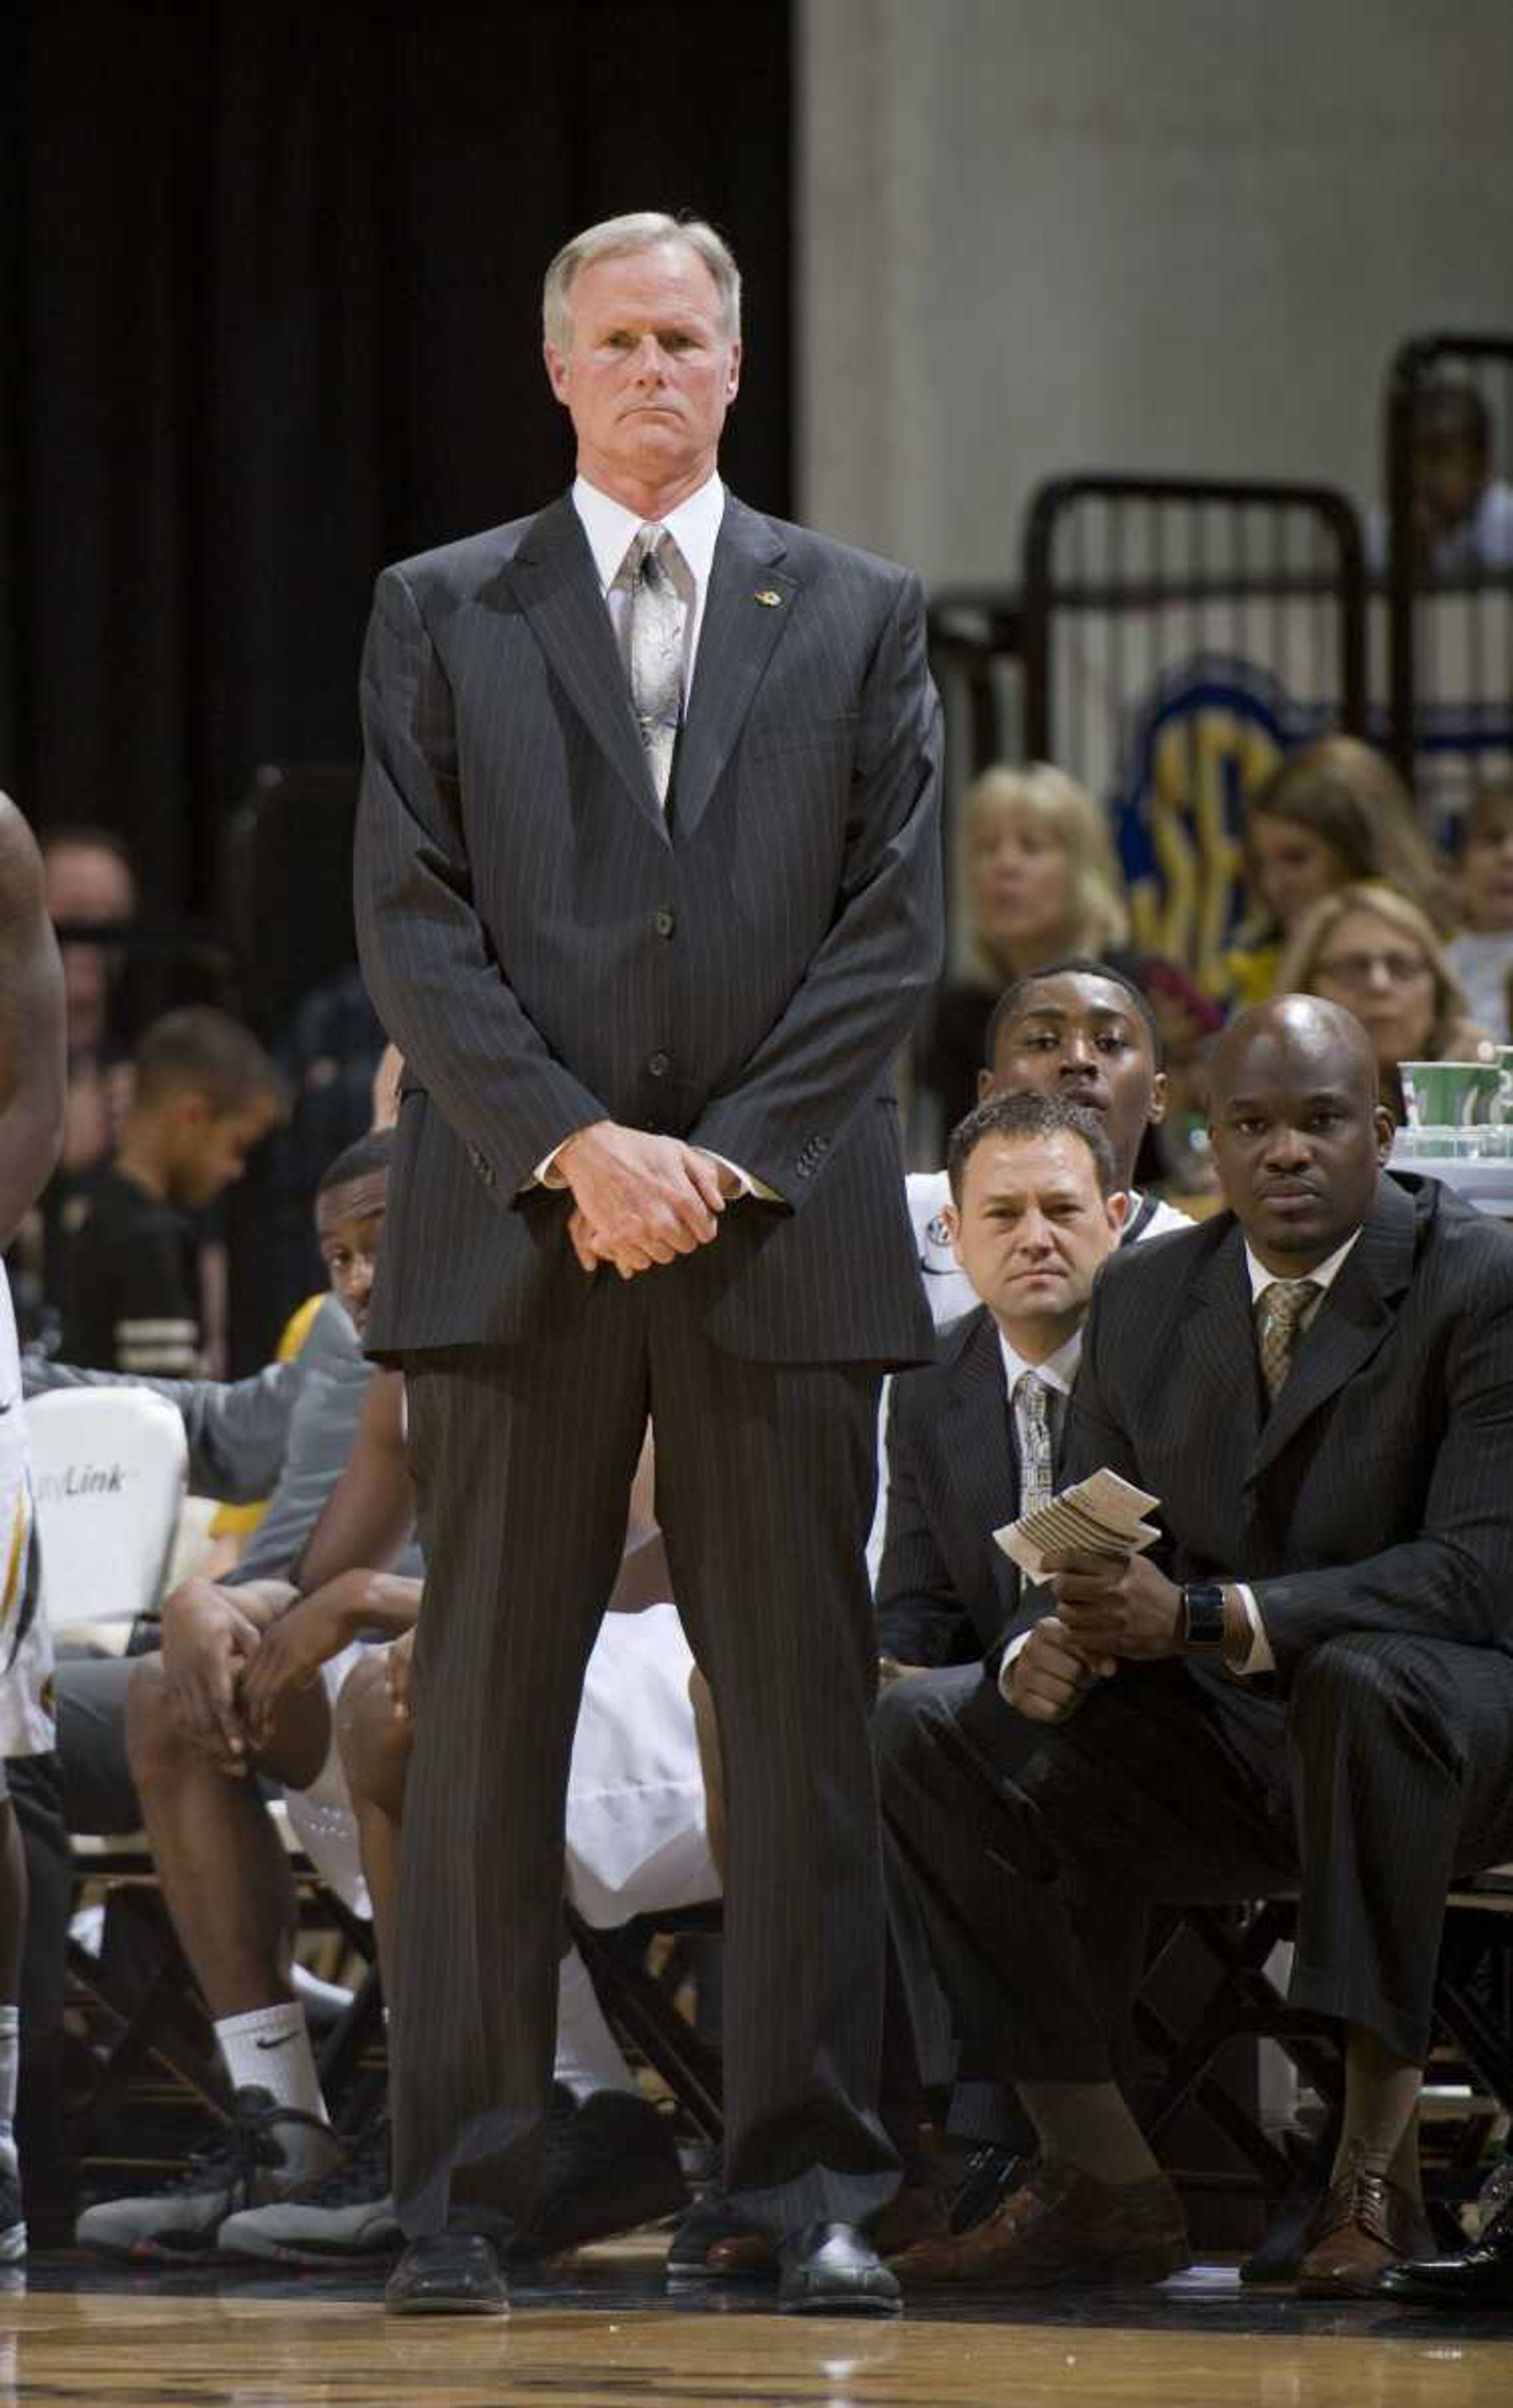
(269,288)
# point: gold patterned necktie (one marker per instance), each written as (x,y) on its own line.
(657,617)
(1037,1471)
(1283,1305)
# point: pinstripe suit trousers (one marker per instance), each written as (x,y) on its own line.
(523,1458)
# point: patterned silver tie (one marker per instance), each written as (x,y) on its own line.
(1037,1482)
(1282,1307)
(657,617)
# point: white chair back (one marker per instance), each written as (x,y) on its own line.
(109,1468)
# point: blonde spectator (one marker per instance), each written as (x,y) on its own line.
(1336,813)
(1482,955)
(1374,951)
(1043,885)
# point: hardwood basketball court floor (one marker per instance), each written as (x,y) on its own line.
(600,2332)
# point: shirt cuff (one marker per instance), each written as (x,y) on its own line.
(546,1174)
(749,1185)
(1260,1658)
(1011,1654)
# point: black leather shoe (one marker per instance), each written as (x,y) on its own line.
(448,2274)
(1481,2277)
(831,2269)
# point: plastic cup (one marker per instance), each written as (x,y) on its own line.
(1449,1095)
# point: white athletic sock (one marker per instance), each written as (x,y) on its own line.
(9,2067)
(270,2050)
(588,2057)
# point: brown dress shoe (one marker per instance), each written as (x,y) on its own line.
(1365,2223)
(1062,2226)
(914,2215)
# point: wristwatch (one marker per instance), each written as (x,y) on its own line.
(1203,1615)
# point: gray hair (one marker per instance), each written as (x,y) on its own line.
(621,238)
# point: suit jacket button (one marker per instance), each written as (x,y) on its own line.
(665,922)
(659,1066)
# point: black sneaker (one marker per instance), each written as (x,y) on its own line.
(12,2216)
(249,2166)
(345,2217)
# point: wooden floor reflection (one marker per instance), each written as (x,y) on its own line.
(601,2336)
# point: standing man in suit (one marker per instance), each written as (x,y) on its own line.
(647,892)
(1311,1680)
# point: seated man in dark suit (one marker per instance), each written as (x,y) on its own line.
(1035,1207)
(1319,1387)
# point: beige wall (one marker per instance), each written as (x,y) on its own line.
(1176,234)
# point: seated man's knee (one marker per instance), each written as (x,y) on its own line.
(374,1742)
(905,1720)
(1356,1680)
(153,1740)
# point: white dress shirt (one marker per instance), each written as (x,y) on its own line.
(694,527)
(1323,1276)
(1058,1371)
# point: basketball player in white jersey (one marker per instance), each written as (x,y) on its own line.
(32,1087)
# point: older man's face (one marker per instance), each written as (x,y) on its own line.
(650,372)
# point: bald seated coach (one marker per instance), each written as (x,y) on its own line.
(1309,1684)
(648,894)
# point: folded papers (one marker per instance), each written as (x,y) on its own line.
(1101,1515)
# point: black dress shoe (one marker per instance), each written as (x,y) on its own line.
(1480,2276)
(448,2274)
(831,2269)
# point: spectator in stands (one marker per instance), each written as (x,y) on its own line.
(1462,514)
(1043,884)
(1481,957)
(1372,950)
(1333,812)
(90,882)
(1315,1386)
(205,1093)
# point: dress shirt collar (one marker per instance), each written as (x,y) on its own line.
(612,528)
(1058,1370)
(1324,1275)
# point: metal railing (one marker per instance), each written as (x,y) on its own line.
(1181,634)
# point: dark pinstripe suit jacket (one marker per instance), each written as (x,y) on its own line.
(545,951)
(1378,1495)
(946,1593)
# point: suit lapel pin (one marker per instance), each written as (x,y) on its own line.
(769,600)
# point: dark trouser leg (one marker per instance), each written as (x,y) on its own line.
(1401,1750)
(524,1461)
(765,1475)
(1036,1853)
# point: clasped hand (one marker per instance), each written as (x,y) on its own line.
(639,1199)
(1118,1606)
(1109,1608)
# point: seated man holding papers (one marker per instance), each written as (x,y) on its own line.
(1305,1686)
